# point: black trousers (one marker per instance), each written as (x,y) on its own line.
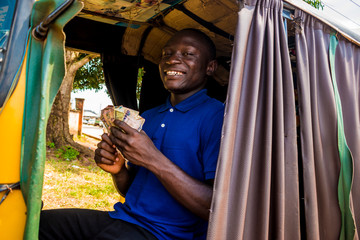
(76,224)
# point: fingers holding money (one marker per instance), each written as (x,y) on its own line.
(135,146)
(123,127)
(109,162)
(120,134)
(106,152)
(106,138)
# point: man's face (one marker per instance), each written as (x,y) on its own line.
(185,63)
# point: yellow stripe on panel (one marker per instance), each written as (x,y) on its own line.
(13,208)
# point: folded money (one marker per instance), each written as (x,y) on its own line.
(107,117)
(129,116)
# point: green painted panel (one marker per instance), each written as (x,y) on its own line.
(45,72)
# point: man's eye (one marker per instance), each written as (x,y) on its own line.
(166,54)
(188,54)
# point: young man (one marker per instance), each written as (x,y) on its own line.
(172,162)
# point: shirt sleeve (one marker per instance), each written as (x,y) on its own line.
(211,142)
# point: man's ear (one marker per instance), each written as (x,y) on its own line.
(211,67)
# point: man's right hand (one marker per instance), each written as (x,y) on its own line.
(107,157)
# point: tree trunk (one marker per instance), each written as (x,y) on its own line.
(57,130)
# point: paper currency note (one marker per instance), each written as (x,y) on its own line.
(108,117)
(129,116)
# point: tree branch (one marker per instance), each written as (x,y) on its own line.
(76,65)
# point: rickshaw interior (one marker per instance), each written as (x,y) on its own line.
(129,36)
(127,39)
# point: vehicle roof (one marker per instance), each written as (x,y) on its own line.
(154,23)
(149,24)
(337,22)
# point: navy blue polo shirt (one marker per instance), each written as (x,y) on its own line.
(189,135)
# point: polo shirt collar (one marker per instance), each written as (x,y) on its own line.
(188,103)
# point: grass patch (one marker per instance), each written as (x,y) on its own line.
(73,184)
(67,153)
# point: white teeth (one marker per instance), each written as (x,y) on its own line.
(174,73)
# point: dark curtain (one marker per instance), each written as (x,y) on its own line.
(319,121)
(256,191)
(120,73)
(153,92)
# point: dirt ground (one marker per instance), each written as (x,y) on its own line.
(88,142)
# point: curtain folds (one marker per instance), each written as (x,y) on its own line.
(321,158)
(256,192)
(347,69)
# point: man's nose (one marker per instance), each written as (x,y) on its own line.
(174,59)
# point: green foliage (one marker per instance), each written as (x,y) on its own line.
(50,144)
(90,76)
(67,153)
(315,3)
(141,73)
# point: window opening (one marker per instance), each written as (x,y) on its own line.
(6,16)
(289,24)
(141,73)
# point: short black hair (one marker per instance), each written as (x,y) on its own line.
(207,40)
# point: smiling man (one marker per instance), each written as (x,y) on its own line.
(169,177)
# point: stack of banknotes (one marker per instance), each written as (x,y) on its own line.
(129,116)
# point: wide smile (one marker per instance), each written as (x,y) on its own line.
(173,73)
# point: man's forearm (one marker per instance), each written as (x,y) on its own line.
(139,149)
(122,180)
(190,192)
